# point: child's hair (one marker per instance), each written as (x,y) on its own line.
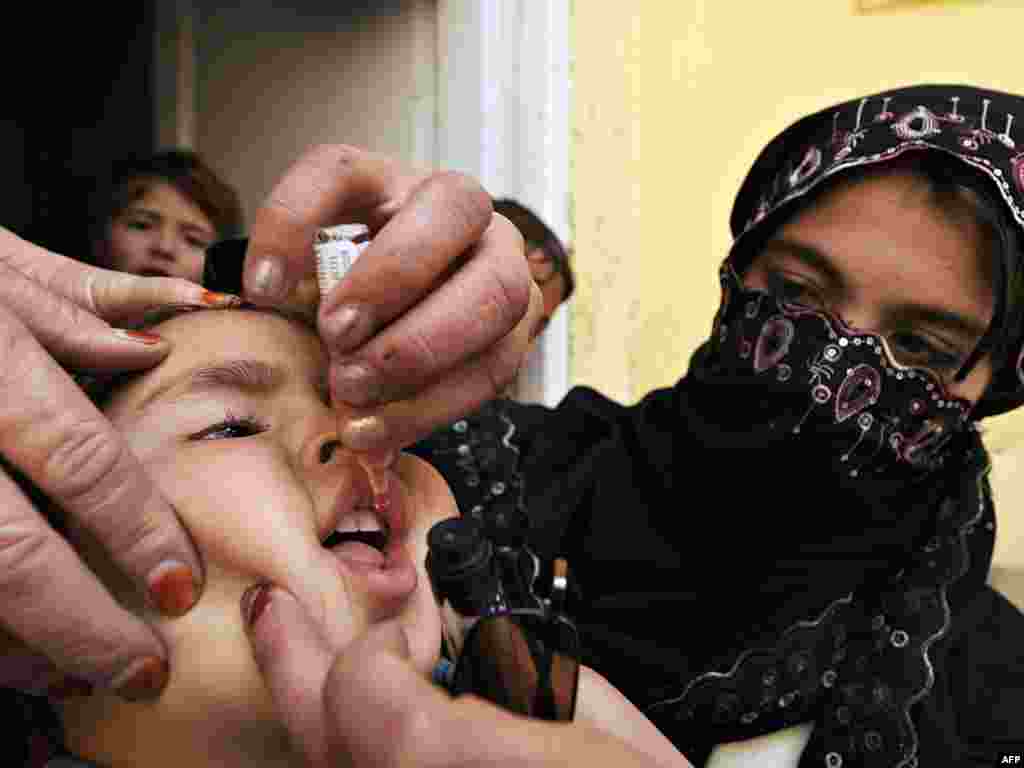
(131,178)
(537,234)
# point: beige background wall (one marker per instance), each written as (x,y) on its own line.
(271,81)
(675,99)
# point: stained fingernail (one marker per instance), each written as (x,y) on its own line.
(144,679)
(365,434)
(69,687)
(355,384)
(268,279)
(173,588)
(254,601)
(142,337)
(339,327)
(219,300)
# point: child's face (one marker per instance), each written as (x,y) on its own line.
(235,429)
(163,233)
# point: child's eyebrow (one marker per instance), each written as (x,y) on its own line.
(256,376)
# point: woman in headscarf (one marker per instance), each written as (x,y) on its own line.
(796,537)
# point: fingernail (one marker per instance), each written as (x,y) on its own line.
(144,679)
(339,327)
(355,384)
(69,687)
(365,434)
(268,279)
(142,337)
(173,588)
(254,601)
(219,300)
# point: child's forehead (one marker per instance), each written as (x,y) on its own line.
(192,321)
(207,337)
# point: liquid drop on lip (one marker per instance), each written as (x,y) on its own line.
(375,465)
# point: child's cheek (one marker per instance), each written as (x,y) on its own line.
(242,504)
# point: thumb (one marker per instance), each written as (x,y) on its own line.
(294,659)
(381,711)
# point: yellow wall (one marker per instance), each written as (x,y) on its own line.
(672,100)
(675,99)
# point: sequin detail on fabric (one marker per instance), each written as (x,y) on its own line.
(859,667)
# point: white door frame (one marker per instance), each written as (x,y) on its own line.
(502,115)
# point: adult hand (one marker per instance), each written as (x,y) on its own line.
(367,705)
(56,619)
(434,318)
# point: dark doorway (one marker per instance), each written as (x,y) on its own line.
(85,99)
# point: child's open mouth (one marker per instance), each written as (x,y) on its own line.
(363,526)
(369,542)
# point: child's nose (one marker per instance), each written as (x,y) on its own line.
(163,242)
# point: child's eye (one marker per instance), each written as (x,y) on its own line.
(230,428)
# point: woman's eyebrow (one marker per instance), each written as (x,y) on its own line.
(808,255)
(255,376)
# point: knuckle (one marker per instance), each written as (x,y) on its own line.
(509,296)
(24,552)
(89,475)
(82,286)
(418,355)
(467,202)
(101,292)
(341,156)
(85,457)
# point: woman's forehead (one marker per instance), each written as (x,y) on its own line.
(899,207)
(885,234)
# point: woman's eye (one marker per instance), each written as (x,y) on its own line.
(229,428)
(137,224)
(196,243)
(788,290)
(913,349)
